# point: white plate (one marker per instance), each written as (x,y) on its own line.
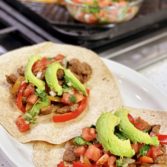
(136,92)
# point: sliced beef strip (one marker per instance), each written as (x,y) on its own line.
(49,109)
(82,71)
(162,159)
(11,79)
(155,129)
(63,110)
(60,74)
(69,155)
(20,71)
(143,124)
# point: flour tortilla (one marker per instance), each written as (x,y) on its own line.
(48,155)
(104,93)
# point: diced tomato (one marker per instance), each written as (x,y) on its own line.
(98,145)
(162,138)
(86,161)
(59,57)
(29,90)
(79,164)
(131,119)
(40,65)
(66,98)
(79,97)
(32,99)
(22,125)
(111,161)
(146,159)
(88,134)
(61,164)
(102,160)
(135,147)
(90,18)
(93,153)
(80,150)
(141,124)
(154,151)
(19,99)
(73,114)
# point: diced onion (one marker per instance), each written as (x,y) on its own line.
(39,74)
(52,93)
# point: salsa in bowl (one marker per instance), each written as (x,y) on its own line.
(103,11)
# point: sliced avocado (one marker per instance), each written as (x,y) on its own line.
(105,127)
(70,77)
(132,132)
(30,77)
(51,78)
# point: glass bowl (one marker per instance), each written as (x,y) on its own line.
(116,12)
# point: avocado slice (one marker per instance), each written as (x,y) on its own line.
(131,131)
(51,78)
(30,77)
(105,127)
(70,77)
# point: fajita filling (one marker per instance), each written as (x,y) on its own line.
(50,86)
(117,140)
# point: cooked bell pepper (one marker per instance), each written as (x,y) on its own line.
(162,138)
(16,86)
(19,99)
(71,115)
(30,77)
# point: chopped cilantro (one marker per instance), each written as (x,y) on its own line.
(119,162)
(73,99)
(41,94)
(80,141)
(143,151)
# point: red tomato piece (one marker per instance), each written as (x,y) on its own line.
(29,90)
(154,151)
(131,119)
(102,160)
(66,98)
(80,150)
(73,114)
(135,147)
(40,65)
(22,125)
(162,138)
(32,99)
(93,153)
(79,164)
(19,99)
(61,164)
(88,134)
(146,159)
(59,57)
(111,161)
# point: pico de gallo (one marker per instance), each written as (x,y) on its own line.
(52,86)
(88,150)
(103,11)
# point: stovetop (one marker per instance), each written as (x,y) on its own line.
(136,51)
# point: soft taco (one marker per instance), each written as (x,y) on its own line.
(49,92)
(127,138)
